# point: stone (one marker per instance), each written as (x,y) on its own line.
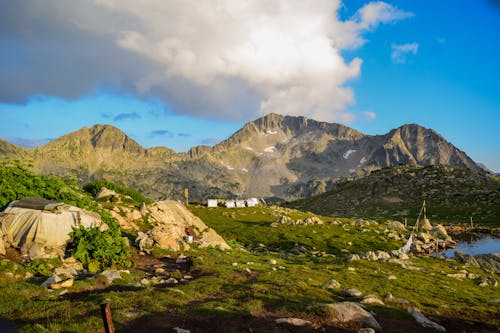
(424,321)
(171,281)
(395,225)
(403,256)
(273,262)
(160,270)
(382,255)
(366,330)
(145,282)
(181,330)
(351,292)
(292,321)
(145,242)
(51,280)
(441,232)
(353,257)
(62,284)
(388,295)
(457,275)
(372,299)
(425,237)
(351,314)
(391,277)
(425,224)
(111,274)
(333,284)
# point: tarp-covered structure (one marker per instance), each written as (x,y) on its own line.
(40,228)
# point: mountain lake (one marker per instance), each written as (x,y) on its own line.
(484,244)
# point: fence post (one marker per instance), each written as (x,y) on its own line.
(106,318)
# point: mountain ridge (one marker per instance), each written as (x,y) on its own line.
(273,156)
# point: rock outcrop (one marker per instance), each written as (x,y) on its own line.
(175,227)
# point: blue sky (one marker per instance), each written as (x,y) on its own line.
(370,65)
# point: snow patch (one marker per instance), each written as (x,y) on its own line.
(271,132)
(349,152)
(248,148)
(269,149)
(363,160)
(244,169)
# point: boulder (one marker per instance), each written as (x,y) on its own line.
(351,292)
(372,299)
(382,255)
(395,225)
(62,284)
(350,314)
(144,242)
(441,232)
(424,321)
(333,284)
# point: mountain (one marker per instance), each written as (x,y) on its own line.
(274,156)
(452,194)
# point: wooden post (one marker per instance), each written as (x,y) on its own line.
(186,196)
(106,318)
(406,222)
(471,223)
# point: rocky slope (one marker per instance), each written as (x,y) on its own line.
(452,194)
(274,156)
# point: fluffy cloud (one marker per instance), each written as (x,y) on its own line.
(219,59)
(400,52)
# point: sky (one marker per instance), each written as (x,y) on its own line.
(184,73)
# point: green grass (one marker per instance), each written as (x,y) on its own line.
(223,287)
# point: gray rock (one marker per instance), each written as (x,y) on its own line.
(371,299)
(424,321)
(351,314)
(113,274)
(395,225)
(333,284)
(351,292)
(382,255)
(353,257)
(292,321)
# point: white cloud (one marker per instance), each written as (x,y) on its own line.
(374,13)
(400,52)
(226,59)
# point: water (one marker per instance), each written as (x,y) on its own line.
(486,244)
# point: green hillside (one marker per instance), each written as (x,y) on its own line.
(452,195)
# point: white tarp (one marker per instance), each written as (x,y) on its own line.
(42,233)
(240,203)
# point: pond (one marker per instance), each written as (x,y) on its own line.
(482,245)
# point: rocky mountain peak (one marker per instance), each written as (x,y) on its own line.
(112,138)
